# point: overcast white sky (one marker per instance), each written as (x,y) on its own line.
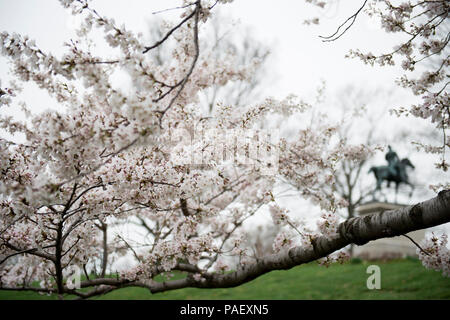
(300,60)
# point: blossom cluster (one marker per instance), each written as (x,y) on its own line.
(435,255)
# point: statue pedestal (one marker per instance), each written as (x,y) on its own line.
(387,248)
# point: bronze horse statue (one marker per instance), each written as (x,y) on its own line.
(385,173)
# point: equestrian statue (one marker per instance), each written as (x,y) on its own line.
(395,171)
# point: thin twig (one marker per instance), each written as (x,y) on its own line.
(417,245)
(175,8)
(168,34)
(352,17)
(197,53)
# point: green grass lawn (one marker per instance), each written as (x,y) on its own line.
(401,279)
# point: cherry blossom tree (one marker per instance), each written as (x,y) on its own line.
(146,152)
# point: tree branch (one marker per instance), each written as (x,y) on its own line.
(357,230)
(335,35)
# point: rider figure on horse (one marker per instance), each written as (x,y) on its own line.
(393,160)
(395,172)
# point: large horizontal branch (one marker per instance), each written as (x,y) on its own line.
(34,289)
(32,251)
(358,230)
